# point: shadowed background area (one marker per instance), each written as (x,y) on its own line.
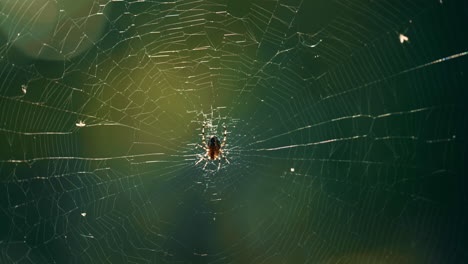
(346,131)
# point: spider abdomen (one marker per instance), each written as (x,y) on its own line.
(213,152)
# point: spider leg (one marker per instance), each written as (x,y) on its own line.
(224,157)
(203,134)
(206,163)
(224,136)
(202,158)
(201,146)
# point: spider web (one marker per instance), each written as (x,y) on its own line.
(346,131)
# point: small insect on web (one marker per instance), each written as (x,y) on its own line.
(213,148)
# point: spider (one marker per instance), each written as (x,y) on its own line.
(213,148)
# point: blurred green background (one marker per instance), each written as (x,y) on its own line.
(346,144)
